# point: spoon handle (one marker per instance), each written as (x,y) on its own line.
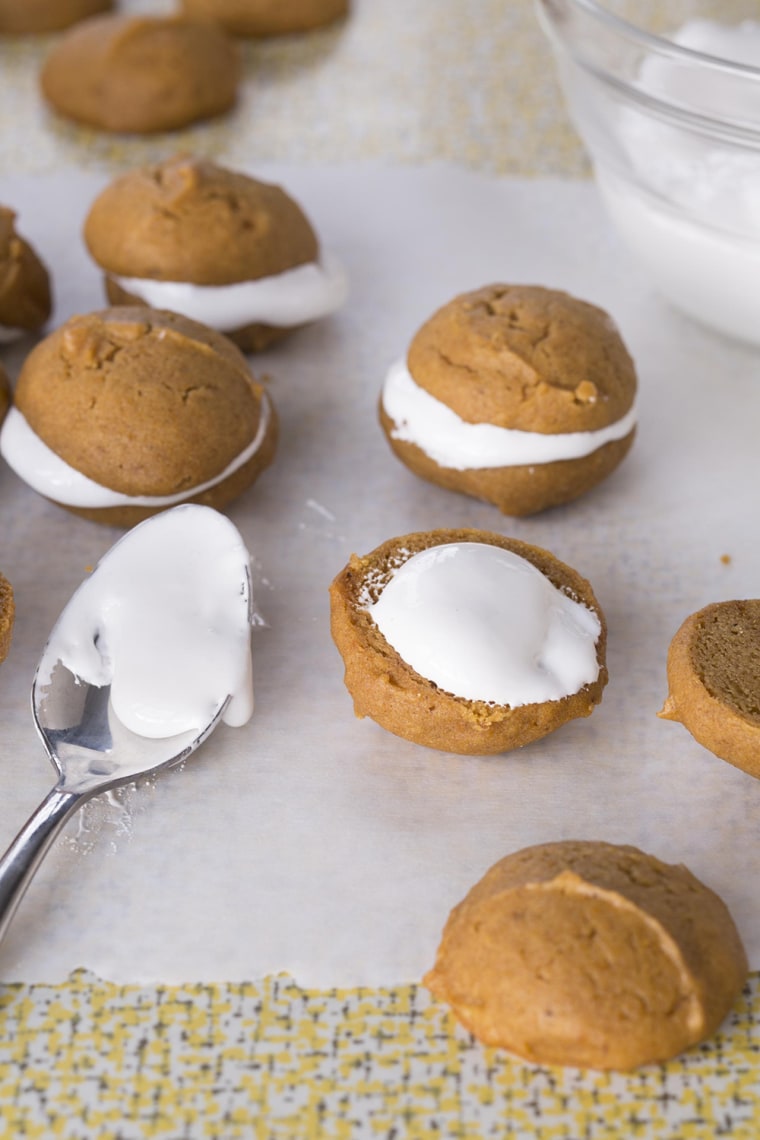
(28,849)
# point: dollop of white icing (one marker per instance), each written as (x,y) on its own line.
(450,441)
(164,620)
(297,296)
(45,472)
(484,624)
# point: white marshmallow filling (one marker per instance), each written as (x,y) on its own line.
(450,441)
(282,300)
(49,475)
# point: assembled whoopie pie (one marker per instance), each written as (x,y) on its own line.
(267,17)
(32,17)
(589,954)
(25,294)
(122,413)
(141,74)
(215,244)
(714,680)
(515,394)
(468,641)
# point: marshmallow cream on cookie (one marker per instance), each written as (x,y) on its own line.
(515,394)
(468,641)
(530,643)
(284,300)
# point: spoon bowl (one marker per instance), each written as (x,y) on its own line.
(91,747)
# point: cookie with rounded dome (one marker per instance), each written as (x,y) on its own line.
(122,413)
(7,616)
(215,244)
(518,395)
(467,641)
(713,673)
(33,17)
(25,293)
(141,74)
(589,954)
(267,17)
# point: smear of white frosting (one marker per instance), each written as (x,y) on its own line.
(44,471)
(421,419)
(484,624)
(164,620)
(283,300)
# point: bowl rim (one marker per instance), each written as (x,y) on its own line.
(660,44)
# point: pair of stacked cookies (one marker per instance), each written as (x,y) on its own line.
(124,412)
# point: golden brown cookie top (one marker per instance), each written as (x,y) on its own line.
(188,219)
(267,17)
(141,73)
(525,357)
(25,298)
(7,616)
(29,17)
(142,401)
(588,953)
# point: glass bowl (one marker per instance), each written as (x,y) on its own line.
(667,103)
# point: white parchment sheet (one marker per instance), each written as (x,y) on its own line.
(308,841)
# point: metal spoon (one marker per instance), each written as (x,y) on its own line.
(92,751)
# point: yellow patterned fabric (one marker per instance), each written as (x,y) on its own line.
(271,1061)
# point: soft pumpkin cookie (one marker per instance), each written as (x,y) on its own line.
(468,641)
(122,413)
(141,74)
(7,616)
(267,17)
(515,394)
(214,244)
(714,681)
(25,294)
(589,954)
(31,17)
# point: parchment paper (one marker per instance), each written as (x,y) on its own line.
(308,841)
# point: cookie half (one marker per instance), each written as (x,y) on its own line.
(589,954)
(122,413)
(7,616)
(267,17)
(25,294)
(714,681)
(518,395)
(32,17)
(214,244)
(141,74)
(467,641)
